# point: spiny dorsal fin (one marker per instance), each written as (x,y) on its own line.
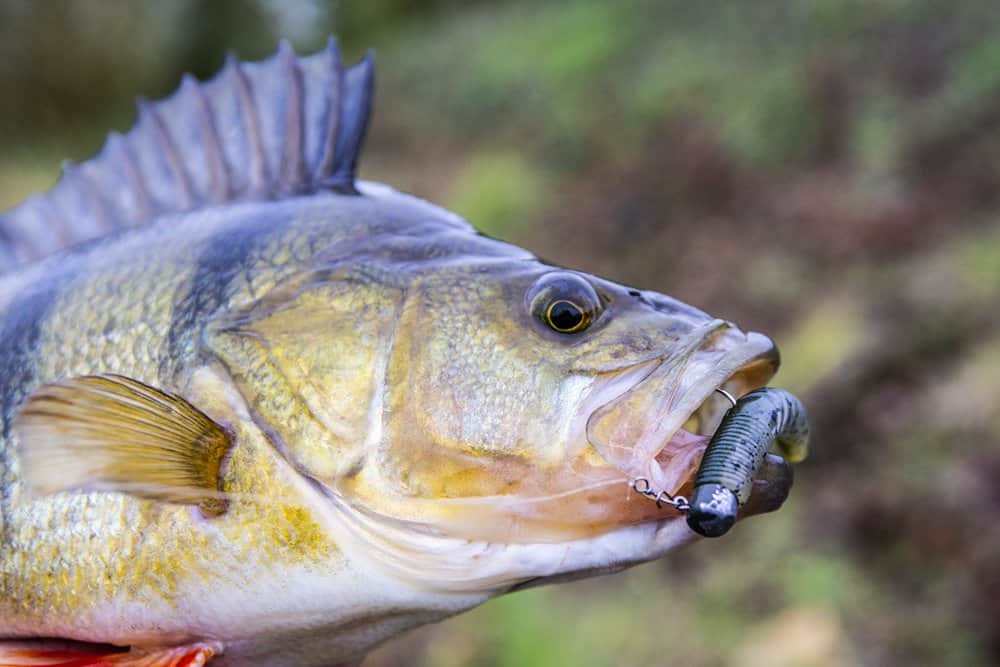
(113,433)
(281,127)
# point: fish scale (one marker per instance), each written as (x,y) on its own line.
(93,327)
(258,412)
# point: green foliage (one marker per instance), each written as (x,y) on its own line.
(818,579)
(768,119)
(823,170)
(500,193)
(976,72)
(822,342)
(875,143)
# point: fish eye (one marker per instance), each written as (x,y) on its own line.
(565,302)
(565,316)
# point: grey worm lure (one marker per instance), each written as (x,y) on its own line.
(737,450)
(736,454)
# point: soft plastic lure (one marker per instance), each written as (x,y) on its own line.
(736,452)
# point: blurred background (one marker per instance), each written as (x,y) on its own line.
(825,171)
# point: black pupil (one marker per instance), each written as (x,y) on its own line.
(565,315)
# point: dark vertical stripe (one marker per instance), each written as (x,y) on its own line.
(225,257)
(20,335)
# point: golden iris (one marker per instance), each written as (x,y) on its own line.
(563,301)
(566,317)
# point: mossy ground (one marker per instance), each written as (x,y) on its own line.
(825,171)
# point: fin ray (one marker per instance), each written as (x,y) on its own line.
(113,433)
(281,127)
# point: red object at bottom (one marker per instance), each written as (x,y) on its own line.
(72,654)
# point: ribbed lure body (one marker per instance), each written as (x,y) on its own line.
(256,411)
(758,420)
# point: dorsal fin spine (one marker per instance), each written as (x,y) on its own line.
(218,180)
(116,143)
(355,112)
(68,173)
(292,173)
(332,120)
(286,126)
(93,196)
(30,237)
(257,176)
(166,144)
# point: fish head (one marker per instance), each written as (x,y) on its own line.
(486,398)
(522,400)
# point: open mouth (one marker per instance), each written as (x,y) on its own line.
(674,466)
(658,431)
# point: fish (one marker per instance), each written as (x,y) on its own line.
(258,411)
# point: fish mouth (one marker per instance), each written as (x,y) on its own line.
(649,419)
(680,457)
(656,431)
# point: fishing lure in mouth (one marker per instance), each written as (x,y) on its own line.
(735,455)
(256,408)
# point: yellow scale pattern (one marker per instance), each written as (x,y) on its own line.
(70,556)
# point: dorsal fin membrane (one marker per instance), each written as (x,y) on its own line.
(282,127)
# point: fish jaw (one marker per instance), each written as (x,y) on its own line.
(658,428)
(453,557)
(445,567)
(585,491)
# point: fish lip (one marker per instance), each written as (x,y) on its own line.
(751,375)
(636,426)
(673,528)
(773,481)
(770,491)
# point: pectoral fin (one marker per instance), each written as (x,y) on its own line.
(113,433)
